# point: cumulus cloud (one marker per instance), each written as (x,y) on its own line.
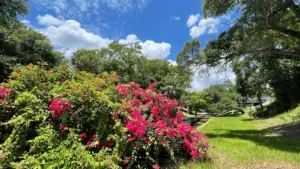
(69,36)
(192,20)
(205,77)
(49,20)
(132,38)
(172,62)
(205,25)
(149,48)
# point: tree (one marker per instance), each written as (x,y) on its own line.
(175,82)
(220,98)
(267,36)
(190,52)
(21,45)
(128,62)
(9,9)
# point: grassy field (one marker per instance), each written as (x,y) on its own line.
(242,142)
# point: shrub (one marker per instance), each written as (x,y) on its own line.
(64,118)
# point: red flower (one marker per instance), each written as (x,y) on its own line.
(195,154)
(58,106)
(113,122)
(131,139)
(89,143)
(4,93)
(63,128)
(209,159)
(83,136)
(94,136)
(156,166)
(146,140)
(110,143)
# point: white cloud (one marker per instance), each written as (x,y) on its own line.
(192,20)
(150,49)
(49,20)
(153,50)
(205,77)
(172,62)
(69,36)
(132,38)
(126,5)
(176,18)
(205,25)
(26,22)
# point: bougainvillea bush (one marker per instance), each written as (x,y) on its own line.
(63,118)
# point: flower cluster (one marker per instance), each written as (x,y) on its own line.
(4,93)
(59,106)
(98,143)
(152,112)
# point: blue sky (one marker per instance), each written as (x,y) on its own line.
(161,26)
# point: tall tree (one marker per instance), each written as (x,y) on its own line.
(9,9)
(21,45)
(266,35)
(128,62)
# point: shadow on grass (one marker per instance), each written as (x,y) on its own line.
(248,119)
(280,142)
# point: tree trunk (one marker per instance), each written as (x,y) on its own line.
(259,100)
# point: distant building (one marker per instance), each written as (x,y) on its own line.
(253,102)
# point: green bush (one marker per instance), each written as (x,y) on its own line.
(64,118)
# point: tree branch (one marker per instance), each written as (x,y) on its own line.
(294,7)
(286,31)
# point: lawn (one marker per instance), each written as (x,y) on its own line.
(242,142)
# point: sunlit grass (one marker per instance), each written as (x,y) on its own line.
(240,141)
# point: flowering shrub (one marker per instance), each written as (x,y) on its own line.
(155,122)
(70,119)
(4,93)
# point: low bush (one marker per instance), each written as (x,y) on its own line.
(64,118)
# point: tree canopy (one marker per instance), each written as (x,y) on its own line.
(128,62)
(265,40)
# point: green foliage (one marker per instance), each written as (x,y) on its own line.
(29,138)
(63,118)
(131,66)
(189,53)
(196,100)
(216,99)
(9,9)
(220,98)
(263,45)
(21,45)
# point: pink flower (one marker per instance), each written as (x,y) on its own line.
(131,139)
(63,128)
(195,154)
(89,143)
(94,136)
(110,143)
(156,166)
(58,106)
(209,159)
(146,140)
(83,136)
(4,93)
(162,143)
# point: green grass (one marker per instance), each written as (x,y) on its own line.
(242,142)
